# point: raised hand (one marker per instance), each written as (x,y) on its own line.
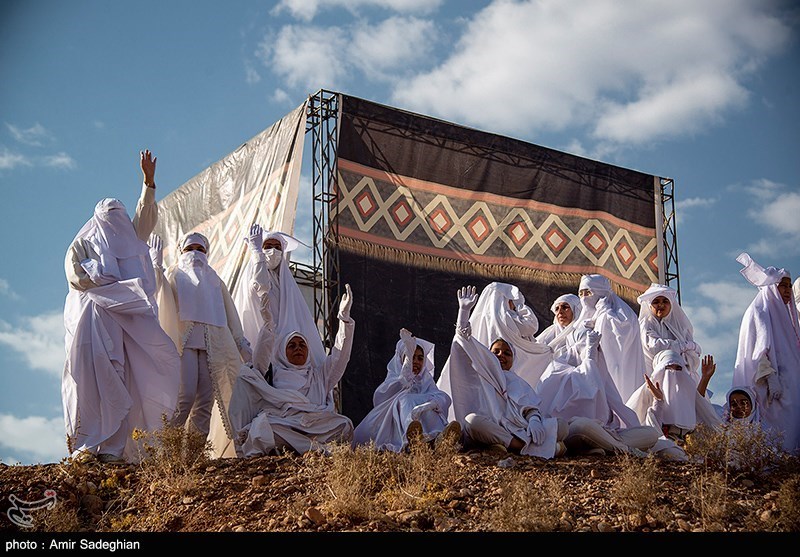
(255,239)
(148,163)
(467,297)
(654,388)
(156,250)
(346,304)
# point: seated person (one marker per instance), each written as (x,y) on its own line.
(408,405)
(492,403)
(296,412)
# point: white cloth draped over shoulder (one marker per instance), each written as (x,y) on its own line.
(620,343)
(492,318)
(395,398)
(682,405)
(476,383)
(673,332)
(769,342)
(570,388)
(222,335)
(268,271)
(299,411)
(754,417)
(120,365)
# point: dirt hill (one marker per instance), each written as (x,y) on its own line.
(445,492)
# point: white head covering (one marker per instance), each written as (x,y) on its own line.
(770,328)
(289,308)
(395,366)
(286,375)
(492,319)
(122,254)
(677,322)
(621,340)
(758,275)
(753,417)
(796,291)
(198,285)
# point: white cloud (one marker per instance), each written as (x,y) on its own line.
(307,9)
(43,438)
(9,160)
(648,72)
(730,300)
(60,160)
(394,43)
(39,341)
(775,209)
(33,136)
(693,202)
(5,290)
(308,57)
(251,76)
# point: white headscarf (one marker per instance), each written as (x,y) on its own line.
(676,322)
(492,319)
(553,331)
(122,254)
(770,328)
(198,285)
(753,417)
(289,308)
(286,375)
(621,340)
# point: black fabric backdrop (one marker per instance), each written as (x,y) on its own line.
(398,170)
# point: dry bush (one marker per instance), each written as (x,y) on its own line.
(529,505)
(364,483)
(739,448)
(62,517)
(171,456)
(710,496)
(788,506)
(636,489)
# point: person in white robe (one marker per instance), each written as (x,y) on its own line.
(122,370)
(197,311)
(492,403)
(796,292)
(578,389)
(620,340)
(298,412)
(664,325)
(565,309)
(768,355)
(268,271)
(679,406)
(501,312)
(407,402)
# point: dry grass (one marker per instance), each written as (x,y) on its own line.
(636,489)
(365,484)
(529,506)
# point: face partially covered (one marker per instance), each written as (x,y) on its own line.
(272,243)
(194,247)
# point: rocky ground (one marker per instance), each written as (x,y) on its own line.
(487,492)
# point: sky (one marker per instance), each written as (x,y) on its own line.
(705,93)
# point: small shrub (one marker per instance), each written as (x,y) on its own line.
(529,506)
(636,488)
(739,448)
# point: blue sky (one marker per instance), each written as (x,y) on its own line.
(705,93)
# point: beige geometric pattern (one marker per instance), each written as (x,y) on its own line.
(453,222)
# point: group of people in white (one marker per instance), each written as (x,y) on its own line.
(147,345)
